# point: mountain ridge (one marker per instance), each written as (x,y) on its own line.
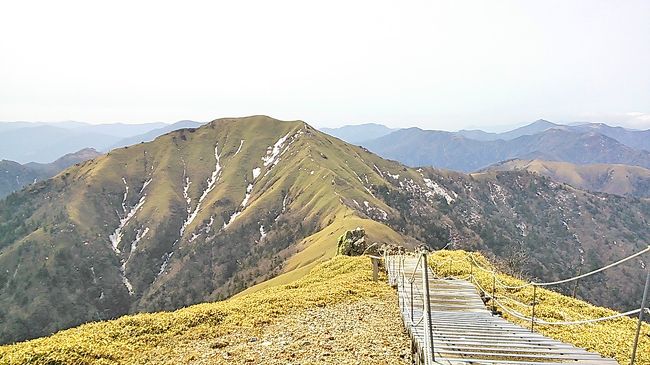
(608,178)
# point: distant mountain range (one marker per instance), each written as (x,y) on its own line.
(14,176)
(472,150)
(359,133)
(25,142)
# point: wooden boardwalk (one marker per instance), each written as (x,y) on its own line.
(464,331)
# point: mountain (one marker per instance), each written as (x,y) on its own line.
(357,134)
(43,142)
(201,214)
(608,178)
(537,126)
(639,139)
(14,176)
(417,147)
(153,134)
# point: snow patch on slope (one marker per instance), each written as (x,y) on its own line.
(438,190)
(211,184)
(116,237)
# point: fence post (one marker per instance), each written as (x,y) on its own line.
(375,268)
(575,286)
(532,318)
(494,298)
(411,301)
(402,270)
(427,305)
(638,326)
(471,267)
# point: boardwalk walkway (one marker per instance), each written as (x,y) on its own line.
(463,330)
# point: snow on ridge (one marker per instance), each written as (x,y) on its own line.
(262,232)
(215,174)
(139,236)
(212,181)
(166,258)
(370,209)
(395,176)
(256,172)
(144,186)
(126,193)
(438,190)
(272,152)
(125,280)
(249,189)
(239,149)
(116,237)
(378,170)
(232,219)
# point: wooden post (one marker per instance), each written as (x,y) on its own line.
(575,286)
(471,267)
(402,273)
(375,268)
(532,318)
(411,301)
(494,298)
(638,326)
(427,306)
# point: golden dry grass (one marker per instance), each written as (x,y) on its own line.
(168,337)
(612,338)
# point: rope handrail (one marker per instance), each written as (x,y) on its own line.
(595,271)
(567,280)
(521,316)
(536,320)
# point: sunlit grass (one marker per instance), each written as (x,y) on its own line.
(612,338)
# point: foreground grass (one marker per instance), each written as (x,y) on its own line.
(612,338)
(168,337)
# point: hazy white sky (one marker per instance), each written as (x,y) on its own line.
(434,64)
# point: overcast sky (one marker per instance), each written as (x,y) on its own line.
(434,64)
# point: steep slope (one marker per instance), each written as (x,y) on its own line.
(416,147)
(201,214)
(154,133)
(356,134)
(608,178)
(14,176)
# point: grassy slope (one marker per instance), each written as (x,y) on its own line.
(609,178)
(321,246)
(169,337)
(611,338)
